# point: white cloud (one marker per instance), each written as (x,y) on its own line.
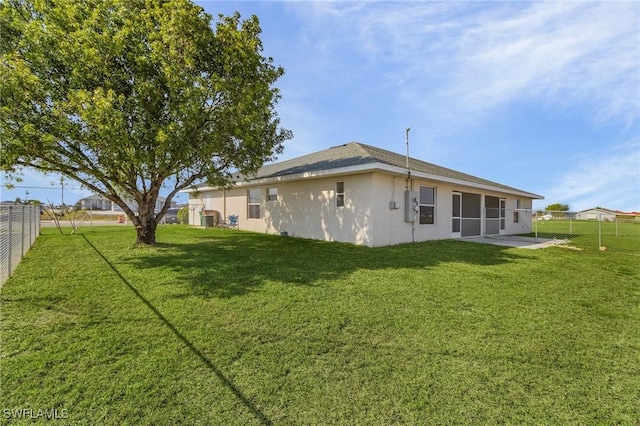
(563,53)
(609,178)
(456,59)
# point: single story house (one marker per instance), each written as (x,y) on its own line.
(99,202)
(597,213)
(365,195)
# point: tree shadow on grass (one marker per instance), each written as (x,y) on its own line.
(226,264)
(233,264)
(228,383)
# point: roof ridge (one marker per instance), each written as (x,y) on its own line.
(416,163)
(361,146)
(358,154)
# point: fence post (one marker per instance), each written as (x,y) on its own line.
(34,212)
(30,220)
(570,224)
(10,240)
(25,234)
(600,230)
(22,233)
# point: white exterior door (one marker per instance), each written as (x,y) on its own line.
(503,215)
(456,215)
(470,214)
(492,215)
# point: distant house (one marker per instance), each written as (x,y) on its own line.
(597,213)
(602,214)
(364,195)
(627,215)
(99,202)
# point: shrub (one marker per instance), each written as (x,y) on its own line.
(183,215)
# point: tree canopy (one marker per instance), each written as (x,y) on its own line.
(129,97)
(558,207)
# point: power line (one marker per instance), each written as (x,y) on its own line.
(39,187)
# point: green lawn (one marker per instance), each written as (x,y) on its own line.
(621,236)
(226,327)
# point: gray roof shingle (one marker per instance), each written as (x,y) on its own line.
(350,154)
(356,154)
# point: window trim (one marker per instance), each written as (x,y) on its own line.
(272,191)
(340,195)
(254,203)
(421,204)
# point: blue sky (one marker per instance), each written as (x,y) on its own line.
(542,96)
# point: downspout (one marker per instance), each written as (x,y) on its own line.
(224,203)
(406,186)
(393,198)
(409,181)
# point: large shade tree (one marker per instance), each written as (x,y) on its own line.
(129,97)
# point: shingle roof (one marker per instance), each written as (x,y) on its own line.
(350,154)
(356,154)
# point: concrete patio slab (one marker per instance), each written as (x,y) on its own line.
(530,243)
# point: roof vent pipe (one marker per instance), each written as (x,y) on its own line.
(406,186)
(407,137)
(411,198)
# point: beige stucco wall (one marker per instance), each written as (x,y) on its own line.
(389,227)
(304,209)
(308,209)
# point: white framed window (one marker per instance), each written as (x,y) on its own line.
(272,194)
(427,205)
(253,203)
(516,213)
(339,194)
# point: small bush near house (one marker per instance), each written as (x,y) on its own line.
(183,215)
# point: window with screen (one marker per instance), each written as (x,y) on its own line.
(340,194)
(427,205)
(253,201)
(272,194)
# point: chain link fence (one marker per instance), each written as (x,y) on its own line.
(590,231)
(19,227)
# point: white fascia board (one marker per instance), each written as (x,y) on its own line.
(437,178)
(199,189)
(351,170)
(364,168)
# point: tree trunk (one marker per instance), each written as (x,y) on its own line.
(146,230)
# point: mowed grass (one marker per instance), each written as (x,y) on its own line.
(226,327)
(621,236)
